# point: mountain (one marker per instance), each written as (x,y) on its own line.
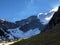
(31,22)
(45,17)
(50,35)
(24,28)
(54,20)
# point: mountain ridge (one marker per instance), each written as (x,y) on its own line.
(8,29)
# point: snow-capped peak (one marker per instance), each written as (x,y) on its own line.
(45,17)
(52,10)
(3,19)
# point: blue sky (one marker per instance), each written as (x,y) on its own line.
(13,10)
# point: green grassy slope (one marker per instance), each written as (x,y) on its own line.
(45,38)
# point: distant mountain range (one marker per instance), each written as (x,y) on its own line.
(49,36)
(24,28)
(19,29)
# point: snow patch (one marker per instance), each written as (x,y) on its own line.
(20,34)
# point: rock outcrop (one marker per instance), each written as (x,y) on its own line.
(54,21)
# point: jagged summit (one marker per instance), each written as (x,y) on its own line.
(54,20)
(56,17)
(45,17)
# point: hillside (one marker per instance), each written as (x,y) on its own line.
(50,38)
